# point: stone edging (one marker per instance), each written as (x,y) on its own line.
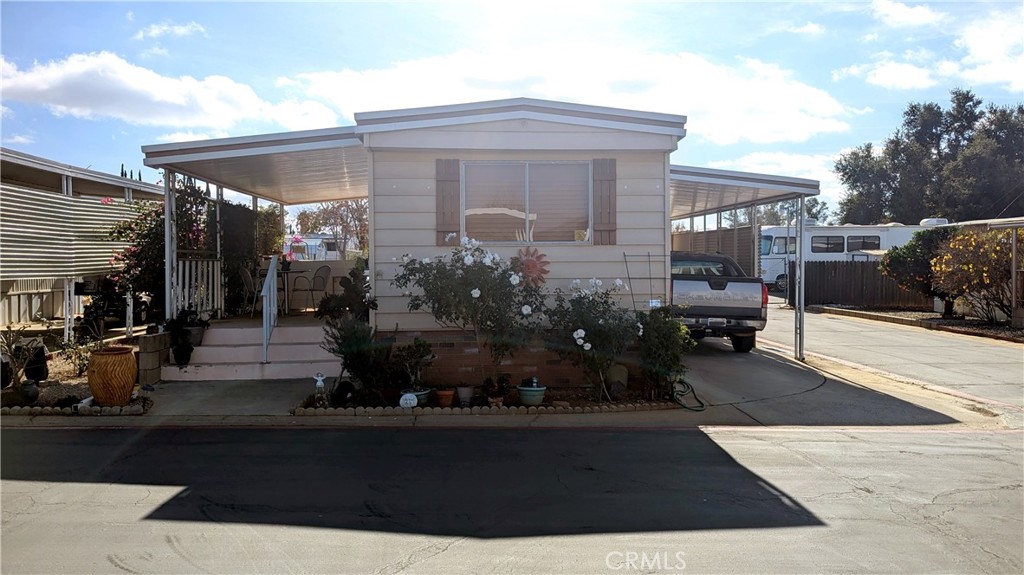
(482,410)
(67,411)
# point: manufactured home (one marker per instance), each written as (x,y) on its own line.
(54,219)
(591,188)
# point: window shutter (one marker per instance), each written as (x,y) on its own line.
(604,202)
(448,204)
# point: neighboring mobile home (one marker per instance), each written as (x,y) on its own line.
(53,224)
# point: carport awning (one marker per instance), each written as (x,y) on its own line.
(291,168)
(331,164)
(702,191)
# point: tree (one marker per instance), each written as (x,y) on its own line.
(816,208)
(142,262)
(345,220)
(961,163)
(269,235)
(977,265)
(910,265)
(868,186)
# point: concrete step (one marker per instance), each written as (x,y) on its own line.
(235,335)
(231,352)
(250,371)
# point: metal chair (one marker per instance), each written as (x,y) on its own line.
(320,281)
(250,290)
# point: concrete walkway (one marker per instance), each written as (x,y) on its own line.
(762,388)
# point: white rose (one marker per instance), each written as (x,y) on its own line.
(527,310)
(468,260)
(586,346)
(475,293)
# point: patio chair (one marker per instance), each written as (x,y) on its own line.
(252,287)
(320,281)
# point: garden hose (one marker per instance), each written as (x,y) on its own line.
(680,389)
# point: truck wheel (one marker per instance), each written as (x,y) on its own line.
(742,343)
(782,283)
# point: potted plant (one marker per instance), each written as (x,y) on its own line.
(413,358)
(495,388)
(181,339)
(531,392)
(445,395)
(22,357)
(465,395)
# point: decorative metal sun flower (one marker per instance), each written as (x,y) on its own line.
(534,266)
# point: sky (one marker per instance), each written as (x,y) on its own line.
(780,88)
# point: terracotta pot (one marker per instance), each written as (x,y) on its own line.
(445,397)
(111,374)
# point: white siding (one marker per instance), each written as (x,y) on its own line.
(403,203)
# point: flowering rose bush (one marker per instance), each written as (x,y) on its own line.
(591,329)
(478,291)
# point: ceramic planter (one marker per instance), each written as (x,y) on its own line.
(465,395)
(445,397)
(111,375)
(531,395)
(421,396)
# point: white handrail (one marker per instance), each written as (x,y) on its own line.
(269,297)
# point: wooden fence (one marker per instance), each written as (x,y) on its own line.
(853,283)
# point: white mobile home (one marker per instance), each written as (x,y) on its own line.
(830,243)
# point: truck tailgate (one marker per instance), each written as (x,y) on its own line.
(717,296)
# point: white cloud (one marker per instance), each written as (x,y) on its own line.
(190,136)
(104,85)
(717,98)
(889,74)
(305,115)
(872,37)
(808,29)
(6,112)
(129,16)
(179,30)
(899,15)
(811,166)
(18,139)
(994,48)
(155,51)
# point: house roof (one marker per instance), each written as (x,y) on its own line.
(332,164)
(19,168)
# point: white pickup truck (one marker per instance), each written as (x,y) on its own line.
(713,297)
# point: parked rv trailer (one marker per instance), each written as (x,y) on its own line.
(830,243)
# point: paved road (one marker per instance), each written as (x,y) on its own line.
(732,500)
(977,366)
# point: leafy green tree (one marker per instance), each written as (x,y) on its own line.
(866,178)
(141,263)
(345,220)
(816,208)
(962,163)
(910,265)
(269,233)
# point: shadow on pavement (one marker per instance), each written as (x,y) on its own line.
(480,483)
(772,390)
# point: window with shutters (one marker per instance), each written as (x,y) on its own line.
(527,201)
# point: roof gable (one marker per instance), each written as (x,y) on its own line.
(521,109)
